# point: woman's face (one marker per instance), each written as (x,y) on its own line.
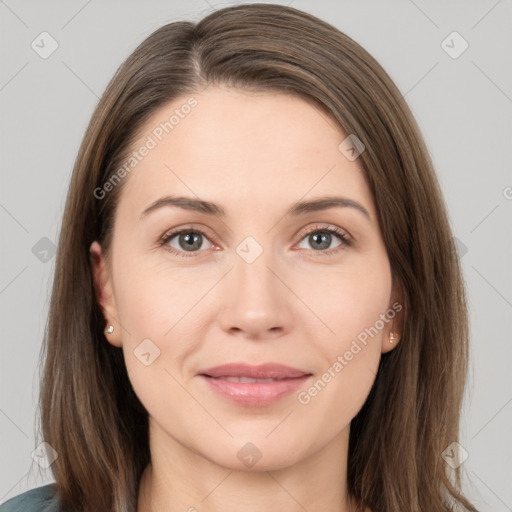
(261,282)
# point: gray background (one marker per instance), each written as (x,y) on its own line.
(463,106)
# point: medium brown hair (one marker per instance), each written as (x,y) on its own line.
(89,412)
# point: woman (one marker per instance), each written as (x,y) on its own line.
(257,302)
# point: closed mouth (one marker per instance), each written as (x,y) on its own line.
(245,372)
(250,379)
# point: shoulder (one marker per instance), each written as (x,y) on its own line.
(40,499)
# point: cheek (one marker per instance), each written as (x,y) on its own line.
(153,299)
(348,301)
(155,309)
(163,320)
(335,397)
(356,312)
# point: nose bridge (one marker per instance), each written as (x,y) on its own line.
(255,300)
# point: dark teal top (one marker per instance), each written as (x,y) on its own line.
(40,499)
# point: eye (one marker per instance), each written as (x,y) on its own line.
(321,237)
(188,240)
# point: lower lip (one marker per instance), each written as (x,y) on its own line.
(255,394)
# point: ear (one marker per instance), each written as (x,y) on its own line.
(394,327)
(105,292)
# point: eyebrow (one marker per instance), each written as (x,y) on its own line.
(297,209)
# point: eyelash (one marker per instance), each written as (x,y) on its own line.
(345,239)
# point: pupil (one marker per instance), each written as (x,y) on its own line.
(324,238)
(190,240)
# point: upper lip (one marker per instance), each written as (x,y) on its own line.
(262,371)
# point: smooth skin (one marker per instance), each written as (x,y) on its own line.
(300,303)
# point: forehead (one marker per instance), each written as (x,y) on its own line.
(243,150)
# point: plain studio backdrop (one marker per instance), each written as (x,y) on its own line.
(451,61)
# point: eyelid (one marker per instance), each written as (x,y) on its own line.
(321,226)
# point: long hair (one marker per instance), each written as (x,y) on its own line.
(89,412)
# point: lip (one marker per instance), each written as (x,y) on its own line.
(262,371)
(254,394)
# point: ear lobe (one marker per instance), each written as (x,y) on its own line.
(104,291)
(394,328)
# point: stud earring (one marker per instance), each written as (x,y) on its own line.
(109,329)
(391,337)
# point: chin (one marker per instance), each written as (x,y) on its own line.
(256,455)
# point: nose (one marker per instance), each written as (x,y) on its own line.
(255,300)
